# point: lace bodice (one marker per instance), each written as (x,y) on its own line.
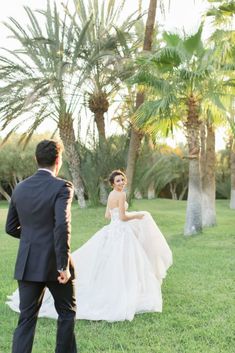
(114,212)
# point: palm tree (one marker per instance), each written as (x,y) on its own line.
(223,20)
(179,77)
(136,133)
(107,42)
(42,78)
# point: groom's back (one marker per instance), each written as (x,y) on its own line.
(35,200)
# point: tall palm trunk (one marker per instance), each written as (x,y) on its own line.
(99,120)
(133,151)
(70,147)
(193,223)
(208,179)
(203,150)
(136,135)
(232,167)
(98,104)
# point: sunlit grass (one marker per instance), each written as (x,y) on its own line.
(198,314)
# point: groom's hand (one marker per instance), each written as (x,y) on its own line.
(64,276)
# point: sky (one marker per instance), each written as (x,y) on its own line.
(182,15)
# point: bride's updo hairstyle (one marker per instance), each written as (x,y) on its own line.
(114,174)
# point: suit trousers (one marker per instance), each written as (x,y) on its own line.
(31,296)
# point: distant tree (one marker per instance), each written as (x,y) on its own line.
(97,162)
(17,162)
(41,80)
(223,185)
(162,167)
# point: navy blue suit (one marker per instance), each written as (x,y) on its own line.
(39,215)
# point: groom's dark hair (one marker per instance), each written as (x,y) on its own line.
(46,152)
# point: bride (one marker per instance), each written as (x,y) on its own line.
(120,268)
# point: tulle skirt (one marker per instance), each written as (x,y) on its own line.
(119,272)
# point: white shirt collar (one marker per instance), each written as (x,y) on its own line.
(47,170)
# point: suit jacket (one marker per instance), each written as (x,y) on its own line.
(39,215)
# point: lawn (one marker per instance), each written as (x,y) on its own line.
(199,295)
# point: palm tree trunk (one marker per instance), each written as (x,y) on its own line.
(149,29)
(232,166)
(138,195)
(133,151)
(103,195)
(99,104)
(208,181)
(185,187)
(151,191)
(203,150)
(5,194)
(70,147)
(99,120)
(173,191)
(193,223)
(136,135)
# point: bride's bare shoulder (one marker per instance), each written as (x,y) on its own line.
(116,196)
(122,195)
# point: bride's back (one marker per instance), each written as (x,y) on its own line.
(113,199)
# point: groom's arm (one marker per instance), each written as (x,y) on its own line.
(12,223)
(62,228)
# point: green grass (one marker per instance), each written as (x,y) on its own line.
(199,296)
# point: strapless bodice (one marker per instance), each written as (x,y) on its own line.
(114,212)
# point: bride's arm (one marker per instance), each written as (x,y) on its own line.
(122,210)
(107,213)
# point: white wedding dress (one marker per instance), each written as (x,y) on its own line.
(119,272)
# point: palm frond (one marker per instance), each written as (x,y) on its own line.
(193,43)
(172,39)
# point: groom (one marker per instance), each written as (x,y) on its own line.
(39,215)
